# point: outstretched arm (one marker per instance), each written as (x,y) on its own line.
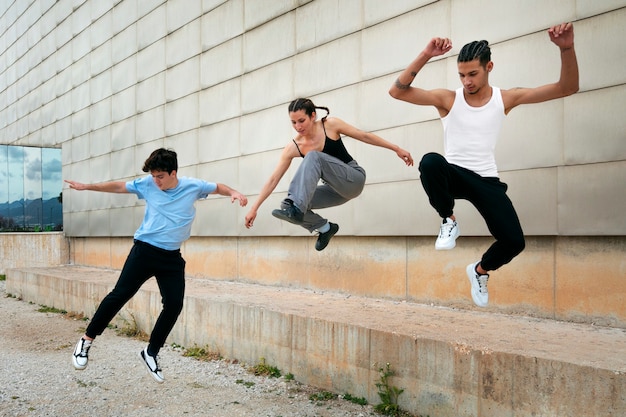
(341,127)
(562,36)
(107,187)
(283,164)
(402,90)
(226,191)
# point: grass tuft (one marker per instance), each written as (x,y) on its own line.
(263,369)
(202,354)
(46,309)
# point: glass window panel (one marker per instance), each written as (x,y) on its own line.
(52,186)
(30,189)
(17,209)
(4,188)
(33,207)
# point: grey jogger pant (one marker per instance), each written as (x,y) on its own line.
(341,182)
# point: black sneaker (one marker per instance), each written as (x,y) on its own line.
(80,357)
(152,365)
(289,212)
(323,239)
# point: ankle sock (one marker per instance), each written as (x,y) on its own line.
(324,228)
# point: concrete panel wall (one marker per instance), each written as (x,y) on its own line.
(211,79)
(109,81)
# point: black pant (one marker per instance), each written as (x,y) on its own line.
(145,261)
(445,182)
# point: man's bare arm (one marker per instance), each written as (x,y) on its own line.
(402,89)
(562,36)
(107,187)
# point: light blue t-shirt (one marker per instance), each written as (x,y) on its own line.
(170,213)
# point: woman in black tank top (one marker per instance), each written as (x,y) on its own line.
(325,158)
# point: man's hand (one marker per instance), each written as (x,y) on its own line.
(243,200)
(76,185)
(438,46)
(562,35)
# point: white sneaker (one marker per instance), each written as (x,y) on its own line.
(448,233)
(152,365)
(80,357)
(480,295)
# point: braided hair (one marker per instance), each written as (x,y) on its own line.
(307,105)
(475,50)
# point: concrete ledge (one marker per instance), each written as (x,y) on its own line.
(449,362)
(33,249)
(574,279)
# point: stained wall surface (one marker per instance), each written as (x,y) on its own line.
(109,81)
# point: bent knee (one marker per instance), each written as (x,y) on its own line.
(431,161)
(312,155)
(173,306)
(516,245)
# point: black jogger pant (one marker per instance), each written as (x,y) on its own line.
(445,182)
(145,261)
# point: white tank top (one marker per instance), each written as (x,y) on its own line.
(470,133)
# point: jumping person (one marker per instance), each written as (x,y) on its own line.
(166,225)
(471,117)
(325,157)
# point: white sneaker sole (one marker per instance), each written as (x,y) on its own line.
(471,275)
(449,246)
(77,366)
(152,374)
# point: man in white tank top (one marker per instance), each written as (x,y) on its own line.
(472,116)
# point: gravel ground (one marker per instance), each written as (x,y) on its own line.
(38,379)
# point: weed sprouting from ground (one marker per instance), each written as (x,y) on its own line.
(246,384)
(131,329)
(3,277)
(263,369)
(388,393)
(68,315)
(202,354)
(355,400)
(53,310)
(76,316)
(322,396)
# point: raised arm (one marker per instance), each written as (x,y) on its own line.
(226,191)
(402,90)
(284,162)
(562,36)
(107,187)
(340,127)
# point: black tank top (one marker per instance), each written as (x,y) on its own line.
(332,147)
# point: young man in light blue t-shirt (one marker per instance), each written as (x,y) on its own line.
(166,225)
